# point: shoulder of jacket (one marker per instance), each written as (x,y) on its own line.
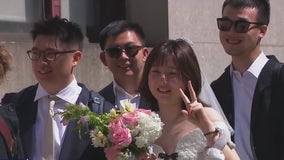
(14,96)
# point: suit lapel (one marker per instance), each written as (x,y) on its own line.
(224,93)
(229,98)
(27,112)
(262,89)
(108,94)
(72,146)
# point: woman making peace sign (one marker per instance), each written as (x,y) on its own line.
(172,83)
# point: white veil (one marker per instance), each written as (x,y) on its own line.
(208,97)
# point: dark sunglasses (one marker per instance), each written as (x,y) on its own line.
(240,26)
(116,51)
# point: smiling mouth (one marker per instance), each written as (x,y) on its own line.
(233,41)
(163,91)
(44,71)
(125,66)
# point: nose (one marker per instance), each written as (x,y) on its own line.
(43,58)
(124,54)
(232,28)
(163,78)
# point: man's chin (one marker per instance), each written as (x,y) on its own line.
(129,74)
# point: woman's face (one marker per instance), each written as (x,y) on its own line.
(164,83)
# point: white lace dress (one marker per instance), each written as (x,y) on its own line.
(193,146)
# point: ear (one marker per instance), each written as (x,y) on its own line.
(103,58)
(145,53)
(77,57)
(263,30)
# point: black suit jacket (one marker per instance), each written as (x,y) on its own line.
(72,148)
(267,110)
(109,96)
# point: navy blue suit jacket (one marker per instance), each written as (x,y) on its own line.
(72,148)
(267,116)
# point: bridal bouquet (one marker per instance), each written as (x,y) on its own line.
(124,133)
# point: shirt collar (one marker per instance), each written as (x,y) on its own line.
(120,91)
(68,94)
(256,67)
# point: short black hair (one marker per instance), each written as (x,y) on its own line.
(263,7)
(117,27)
(66,31)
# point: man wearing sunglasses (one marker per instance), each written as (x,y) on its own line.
(124,53)
(56,51)
(250,90)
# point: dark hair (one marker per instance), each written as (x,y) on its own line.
(117,27)
(183,57)
(5,62)
(66,31)
(263,6)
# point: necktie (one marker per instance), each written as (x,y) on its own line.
(48,137)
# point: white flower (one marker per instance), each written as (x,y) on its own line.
(150,127)
(98,138)
(51,108)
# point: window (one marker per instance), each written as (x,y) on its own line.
(17,16)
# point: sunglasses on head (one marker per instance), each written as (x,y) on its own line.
(116,51)
(240,26)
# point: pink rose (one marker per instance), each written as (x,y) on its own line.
(117,123)
(146,111)
(119,135)
(130,119)
(111,153)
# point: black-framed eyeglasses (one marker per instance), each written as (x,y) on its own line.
(35,55)
(240,26)
(116,51)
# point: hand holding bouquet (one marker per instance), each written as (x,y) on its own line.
(124,133)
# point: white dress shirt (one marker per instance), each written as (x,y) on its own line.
(121,97)
(69,95)
(243,89)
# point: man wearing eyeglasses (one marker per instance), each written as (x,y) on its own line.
(124,53)
(250,90)
(56,51)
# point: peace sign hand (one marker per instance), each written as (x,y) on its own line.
(195,111)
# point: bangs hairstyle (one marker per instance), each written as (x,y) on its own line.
(64,30)
(263,6)
(183,57)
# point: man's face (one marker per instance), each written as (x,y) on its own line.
(57,73)
(125,65)
(241,44)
